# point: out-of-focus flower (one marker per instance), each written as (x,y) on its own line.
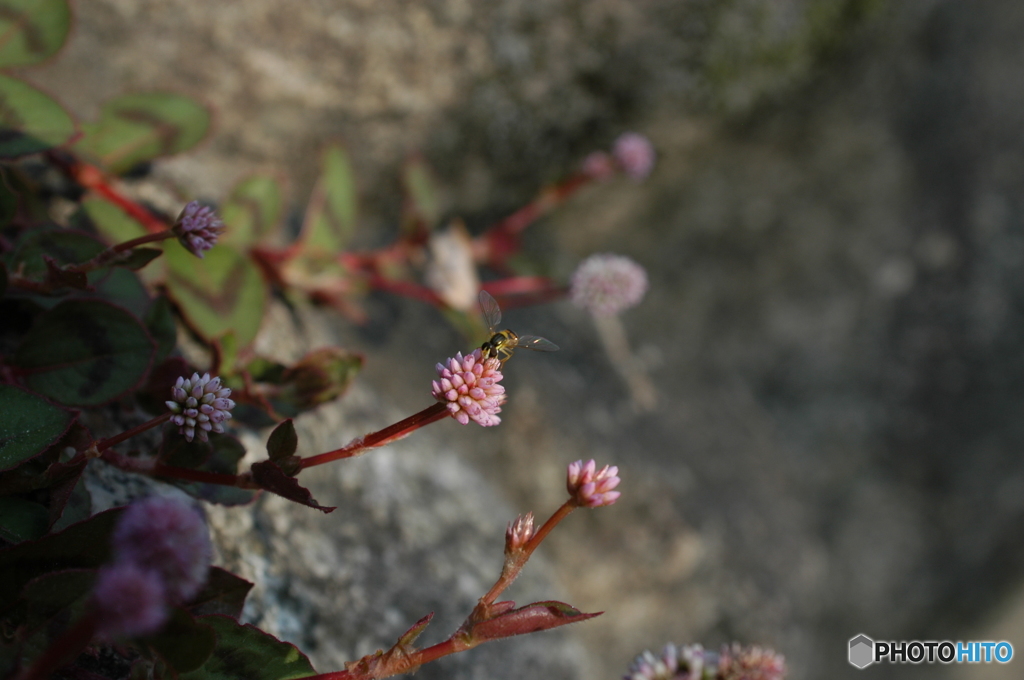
(693,662)
(750,663)
(468,385)
(129,601)
(200,405)
(518,533)
(197,228)
(169,538)
(599,166)
(590,487)
(606,284)
(635,154)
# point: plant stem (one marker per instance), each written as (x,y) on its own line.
(359,445)
(109,254)
(513,566)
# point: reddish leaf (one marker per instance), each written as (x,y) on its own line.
(269,475)
(224,593)
(529,619)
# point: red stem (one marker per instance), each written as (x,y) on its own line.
(512,569)
(408,663)
(389,434)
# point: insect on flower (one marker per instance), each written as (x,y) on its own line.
(502,343)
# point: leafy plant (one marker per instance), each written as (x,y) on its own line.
(90,305)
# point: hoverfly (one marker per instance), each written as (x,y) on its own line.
(501,343)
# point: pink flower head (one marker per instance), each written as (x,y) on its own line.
(607,284)
(590,487)
(675,663)
(469,387)
(598,166)
(518,533)
(129,601)
(168,537)
(200,405)
(635,155)
(750,663)
(198,228)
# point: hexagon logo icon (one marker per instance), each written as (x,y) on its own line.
(862,651)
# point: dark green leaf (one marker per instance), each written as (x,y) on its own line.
(139,127)
(29,424)
(160,323)
(65,246)
(283,441)
(244,651)
(54,592)
(29,120)
(85,545)
(222,292)
(31,30)
(331,215)
(85,352)
(123,287)
(184,643)
(8,200)
(224,593)
(253,211)
(21,519)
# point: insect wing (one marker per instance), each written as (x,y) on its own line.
(536,343)
(492,312)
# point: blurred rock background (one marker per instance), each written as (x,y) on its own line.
(835,244)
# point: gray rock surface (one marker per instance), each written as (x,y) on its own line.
(833,235)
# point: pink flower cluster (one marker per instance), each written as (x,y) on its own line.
(468,386)
(632,153)
(198,228)
(590,487)
(162,555)
(607,284)
(200,405)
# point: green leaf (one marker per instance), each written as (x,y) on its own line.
(224,593)
(331,215)
(30,121)
(253,210)
(32,30)
(134,128)
(184,643)
(113,224)
(29,424)
(222,292)
(22,519)
(55,592)
(244,651)
(85,545)
(85,353)
(423,205)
